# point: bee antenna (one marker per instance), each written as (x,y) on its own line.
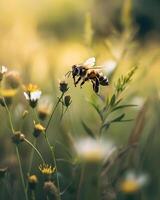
(68,74)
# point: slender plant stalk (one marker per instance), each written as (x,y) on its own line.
(53,111)
(80,182)
(17,151)
(31,157)
(21,173)
(55,165)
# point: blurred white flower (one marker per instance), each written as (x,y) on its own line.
(109,66)
(3,69)
(44,107)
(133,182)
(91,150)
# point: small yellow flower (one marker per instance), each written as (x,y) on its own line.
(32,94)
(46,169)
(38,129)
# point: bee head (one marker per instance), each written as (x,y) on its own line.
(75,70)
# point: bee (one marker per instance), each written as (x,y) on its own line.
(87,71)
(97,78)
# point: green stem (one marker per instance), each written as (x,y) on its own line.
(54,109)
(17,150)
(21,173)
(55,164)
(80,182)
(36,150)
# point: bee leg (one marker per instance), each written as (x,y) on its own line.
(74,80)
(95,83)
(78,81)
(84,80)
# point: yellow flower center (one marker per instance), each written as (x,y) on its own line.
(129,186)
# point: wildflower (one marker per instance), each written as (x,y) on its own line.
(32,94)
(50,188)
(132,183)
(46,169)
(2,72)
(7,95)
(18,137)
(3,172)
(63,86)
(91,150)
(44,107)
(32,182)
(67,100)
(13,79)
(38,129)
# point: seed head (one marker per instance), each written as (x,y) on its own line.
(67,100)
(50,188)
(32,181)
(63,86)
(18,137)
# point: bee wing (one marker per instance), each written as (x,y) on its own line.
(90,62)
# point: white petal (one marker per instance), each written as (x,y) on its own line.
(34,96)
(90,62)
(26,95)
(4,69)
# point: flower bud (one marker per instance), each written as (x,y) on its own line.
(38,129)
(50,188)
(63,86)
(3,172)
(18,137)
(13,79)
(67,100)
(32,182)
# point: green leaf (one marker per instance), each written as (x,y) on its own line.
(118,119)
(122,106)
(113,99)
(88,130)
(98,110)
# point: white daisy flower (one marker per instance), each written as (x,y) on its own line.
(133,182)
(91,150)
(32,94)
